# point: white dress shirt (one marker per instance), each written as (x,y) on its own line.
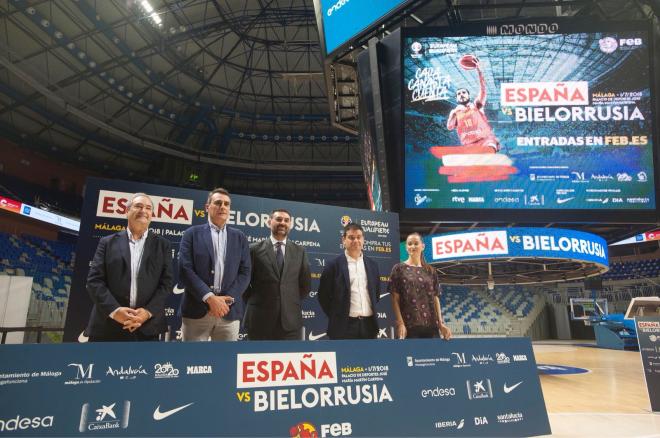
(360,301)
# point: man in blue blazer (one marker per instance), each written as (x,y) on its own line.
(214,267)
(349,290)
(130,279)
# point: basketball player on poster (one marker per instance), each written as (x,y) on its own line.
(473,161)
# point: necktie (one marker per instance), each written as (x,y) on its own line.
(279,256)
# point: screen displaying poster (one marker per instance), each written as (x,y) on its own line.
(529,116)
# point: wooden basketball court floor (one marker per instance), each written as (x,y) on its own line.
(610,400)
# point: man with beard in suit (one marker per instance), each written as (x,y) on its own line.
(280,281)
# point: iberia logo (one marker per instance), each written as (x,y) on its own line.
(303,430)
(345,220)
(259,370)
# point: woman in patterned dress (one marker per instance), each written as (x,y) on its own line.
(415,295)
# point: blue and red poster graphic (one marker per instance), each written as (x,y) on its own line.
(532,116)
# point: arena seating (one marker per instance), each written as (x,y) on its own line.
(634,269)
(50,264)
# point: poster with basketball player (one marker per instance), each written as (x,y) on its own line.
(534,115)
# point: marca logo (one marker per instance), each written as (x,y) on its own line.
(105,417)
(544,93)
(199,369)
(260,370)
(479,389)
(169,210)
(469,244)
(520,358)
(23,423)
(528,29)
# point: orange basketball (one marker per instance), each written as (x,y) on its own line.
(468,62)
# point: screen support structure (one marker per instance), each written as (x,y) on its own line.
(378,118)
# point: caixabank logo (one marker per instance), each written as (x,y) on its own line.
(105,416)
(317,371)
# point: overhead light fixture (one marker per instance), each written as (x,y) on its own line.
(151,12)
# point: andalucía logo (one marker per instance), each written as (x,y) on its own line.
(104,417)
(303,430)
(129,373)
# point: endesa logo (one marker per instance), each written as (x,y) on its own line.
(23,423)
(337,6)
(469,244)
(544,93)
(170,210)
(285,369)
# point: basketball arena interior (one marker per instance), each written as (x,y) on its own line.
(515,137)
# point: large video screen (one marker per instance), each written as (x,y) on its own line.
(529,116)
(343,20)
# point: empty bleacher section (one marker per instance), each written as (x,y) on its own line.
(633,269)
(50,264)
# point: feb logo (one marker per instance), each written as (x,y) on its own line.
(259,370)
(345,220)
(303,430)
(607,44)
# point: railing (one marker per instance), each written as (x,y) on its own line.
(38,329)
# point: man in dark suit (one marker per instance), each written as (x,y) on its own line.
(214,267)
(349,290)
(130,279)
(280,281)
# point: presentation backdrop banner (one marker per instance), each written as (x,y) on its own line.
(648,336)
(316,227)
(423,387)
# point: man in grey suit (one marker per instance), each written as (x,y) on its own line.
(280,280)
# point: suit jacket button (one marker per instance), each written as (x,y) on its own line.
(212,272)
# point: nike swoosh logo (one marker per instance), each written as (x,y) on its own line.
(561,201)
(82,338)
(313,337)
(384,295)
(508,389)
(178,290)
(158,415)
